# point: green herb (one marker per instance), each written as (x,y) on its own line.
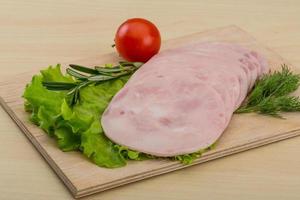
(271,94)
(86,76)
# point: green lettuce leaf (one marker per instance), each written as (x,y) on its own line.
(189,158)
(99,149)
(76,128)
(44,104)
(66,139)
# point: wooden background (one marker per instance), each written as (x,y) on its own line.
(34,34)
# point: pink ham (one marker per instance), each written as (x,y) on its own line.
(182,99)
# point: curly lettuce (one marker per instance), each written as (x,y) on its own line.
(76,128)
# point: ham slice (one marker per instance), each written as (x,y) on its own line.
(182,100)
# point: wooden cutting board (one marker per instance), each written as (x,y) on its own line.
(246,131)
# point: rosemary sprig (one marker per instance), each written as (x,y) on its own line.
(85,76)
(270,95)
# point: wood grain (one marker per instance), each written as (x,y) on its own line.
(37,33)
(84,178)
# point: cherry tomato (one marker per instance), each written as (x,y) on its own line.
(137,40)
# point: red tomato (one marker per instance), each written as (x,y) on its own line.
(137,40)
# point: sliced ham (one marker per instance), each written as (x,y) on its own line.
(182,100)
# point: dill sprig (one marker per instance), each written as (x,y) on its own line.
(85,76)
(271,94)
